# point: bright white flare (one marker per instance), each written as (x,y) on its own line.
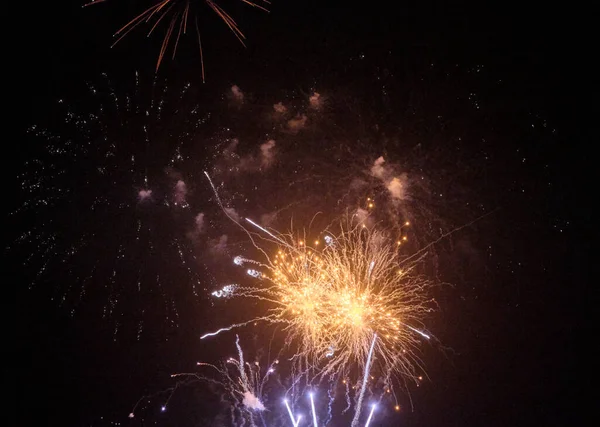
(370,415)
(312,407)
(364,383)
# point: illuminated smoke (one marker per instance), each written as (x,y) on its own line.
(252,402)
(378,170)
(232,214)
(144,194)
(251,162)
(395,183)
(362,217)
(237,94)
(280,108)
(198,228)
(180,192)
(315,100)
(396,188)
(267,153)
(199,222)
(297,123)
(268,218)
(219,246)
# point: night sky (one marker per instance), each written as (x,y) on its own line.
(511,323)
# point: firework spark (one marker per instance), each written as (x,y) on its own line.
(179,13)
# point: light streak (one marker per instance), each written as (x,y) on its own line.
(266,231)
(216,194)
(423,334)
(370,415)
(228,328)
(364,383)
(294,422)
(312,407)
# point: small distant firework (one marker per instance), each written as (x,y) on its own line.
(242,384)
(178,14)
(105,204)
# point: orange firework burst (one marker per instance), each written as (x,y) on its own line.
(177,13)
(332,300)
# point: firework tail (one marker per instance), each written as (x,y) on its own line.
(364,384)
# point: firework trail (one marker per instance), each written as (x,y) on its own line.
(364,385)
(370,415)
(179,14)
(296,421)
(312,409)
(266,231)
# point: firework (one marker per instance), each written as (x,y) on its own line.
(179,14)
(241,383)
(106,204)
(333,302)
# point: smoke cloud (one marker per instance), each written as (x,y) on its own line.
(316,101)
(199,222)
(218,246)
(394,182)
(233,214)
(144,194)
(237,94)
(267,153)
(252,402)
(297,123)
(280,108)
(180,192)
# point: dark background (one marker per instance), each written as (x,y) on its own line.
(517,343)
